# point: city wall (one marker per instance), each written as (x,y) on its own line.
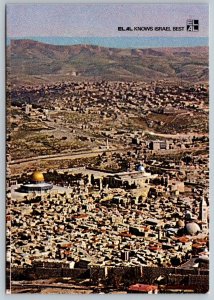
(144,274)
(46,273)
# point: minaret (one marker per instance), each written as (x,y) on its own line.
(203,210)
(159,233)
(203,213)
(107,145)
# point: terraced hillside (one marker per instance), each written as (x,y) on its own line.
(30,61)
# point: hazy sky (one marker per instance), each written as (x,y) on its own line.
(102,19)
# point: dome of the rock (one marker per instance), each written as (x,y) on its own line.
(37,176)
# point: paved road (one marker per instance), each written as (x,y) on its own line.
(177,135)
(95,152)
(82,154)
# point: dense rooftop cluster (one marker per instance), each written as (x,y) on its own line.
(107,226)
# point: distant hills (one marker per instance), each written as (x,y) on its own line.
(30,61)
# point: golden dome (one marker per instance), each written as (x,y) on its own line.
(37,176)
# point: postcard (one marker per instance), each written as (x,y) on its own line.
(107,148)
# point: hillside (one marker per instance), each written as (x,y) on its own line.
(30,61)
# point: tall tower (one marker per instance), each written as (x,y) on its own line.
(203,210)
(107,144)
(28,108)
(203,213)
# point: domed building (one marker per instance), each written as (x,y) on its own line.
(192,228)
(37,176)
(36,184)
(140,168)
(180,224)
(188,215)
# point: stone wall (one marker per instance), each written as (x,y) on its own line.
(116,276)
(46,273)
